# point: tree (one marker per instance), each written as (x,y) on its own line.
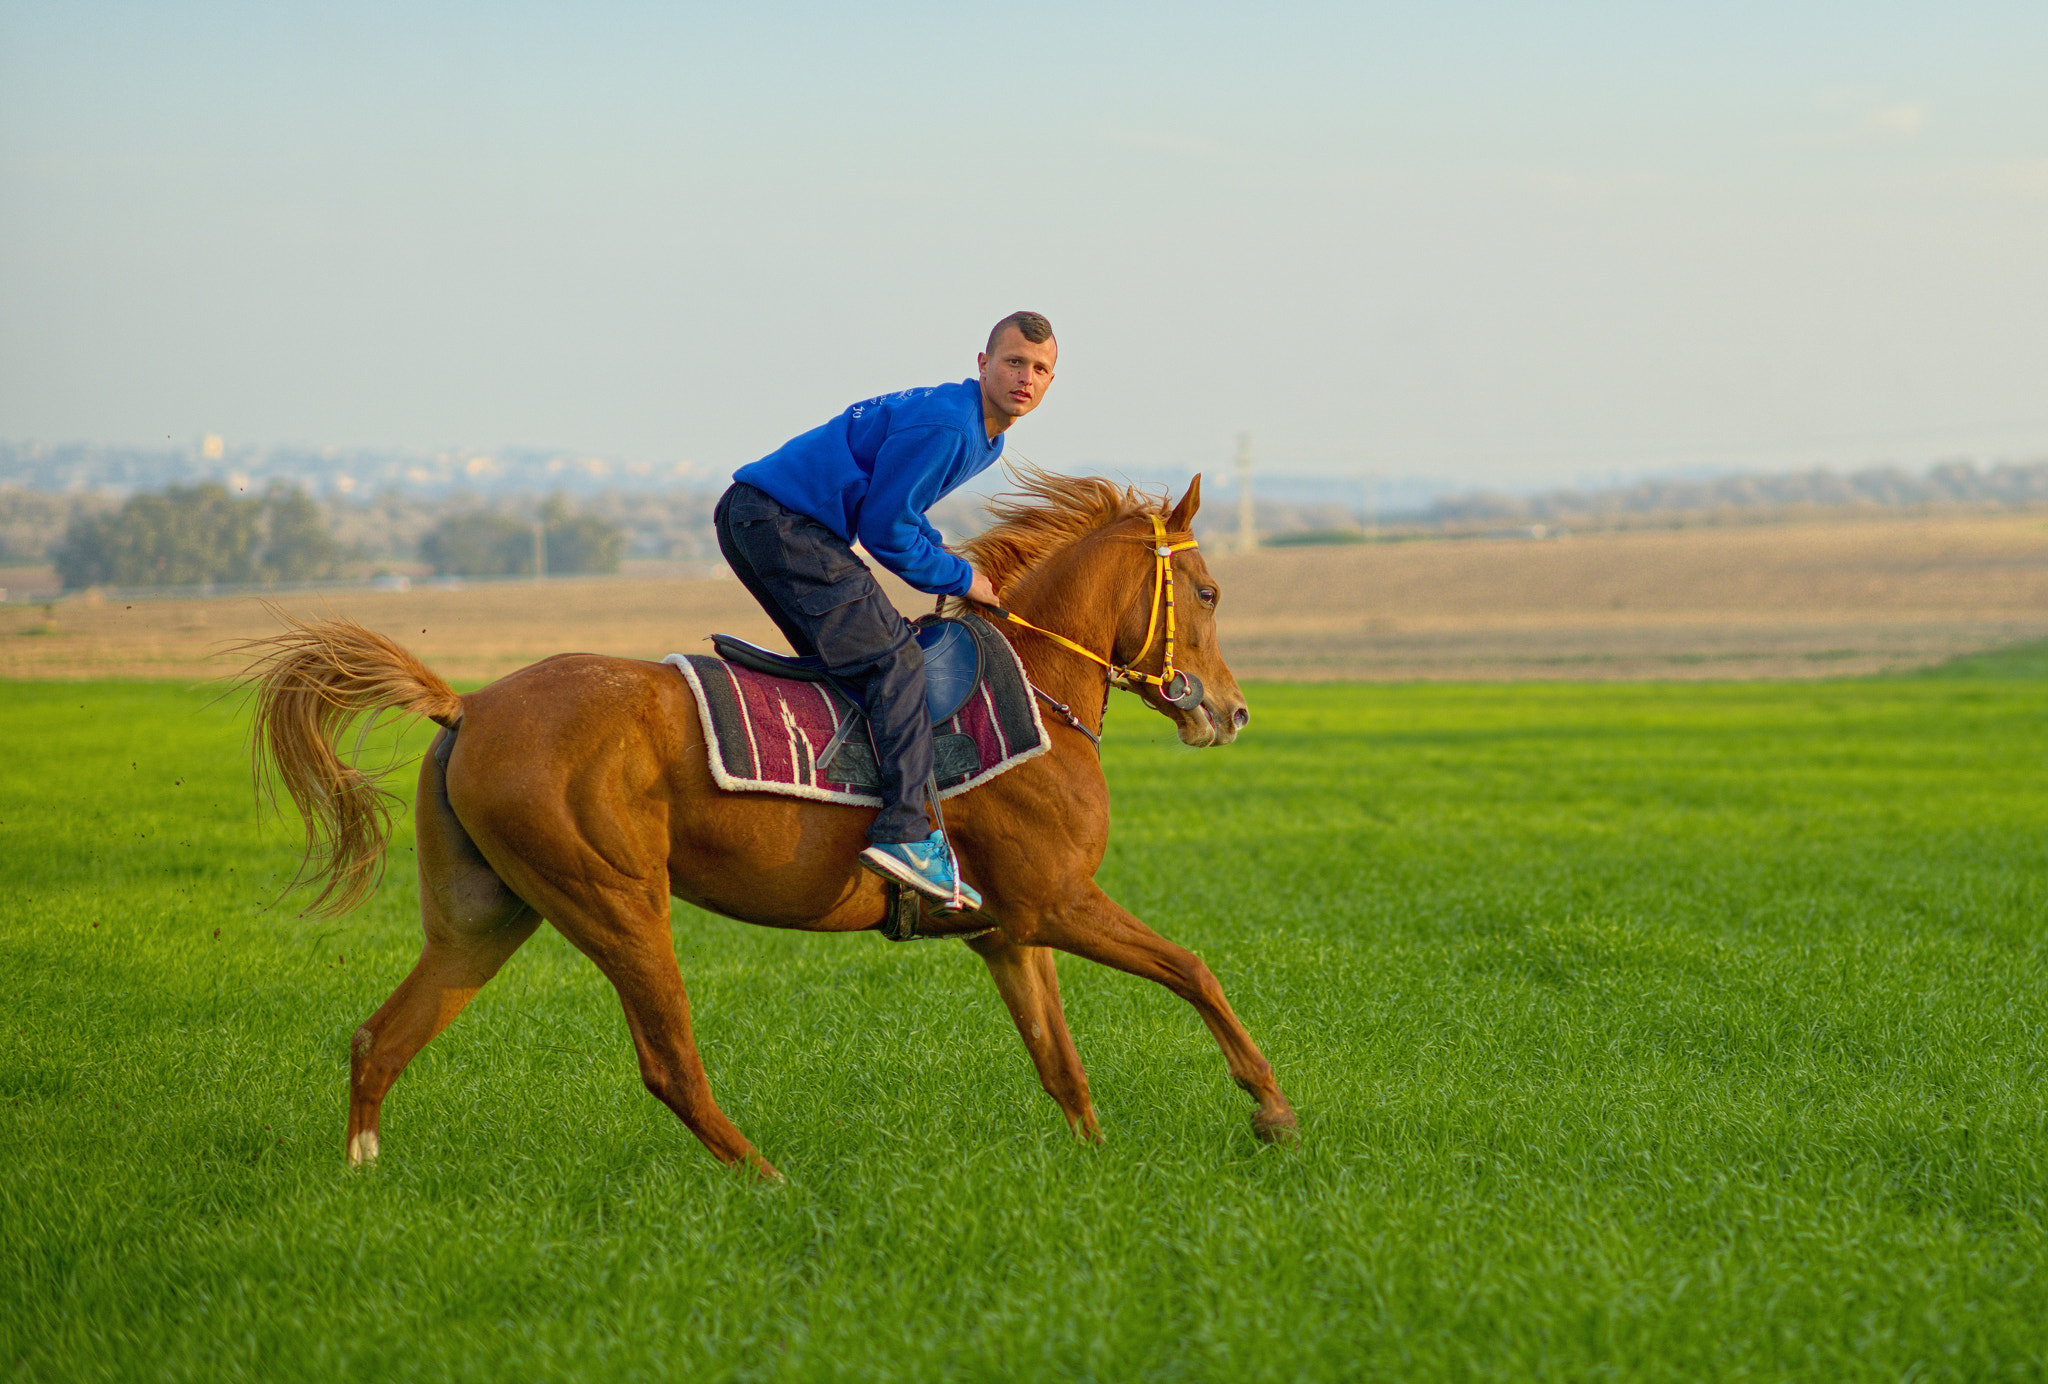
(484,543)
(298,545)
(32,524)
(581,542)
(195,535)
(479,544)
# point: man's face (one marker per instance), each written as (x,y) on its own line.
(1015,374)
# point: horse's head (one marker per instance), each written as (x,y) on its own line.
(1075,558)
(1203,697)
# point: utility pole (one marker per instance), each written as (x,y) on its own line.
(1372,506)
(540,550)
(1247,529)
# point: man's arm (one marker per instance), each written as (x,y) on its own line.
(905,483)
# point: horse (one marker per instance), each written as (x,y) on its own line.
(578,791)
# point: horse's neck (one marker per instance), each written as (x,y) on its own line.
(1078,592)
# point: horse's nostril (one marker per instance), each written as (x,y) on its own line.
(1242,717)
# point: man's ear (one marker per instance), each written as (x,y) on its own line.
(1184,513)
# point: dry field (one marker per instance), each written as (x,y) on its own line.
(1764,601)
(1772,601)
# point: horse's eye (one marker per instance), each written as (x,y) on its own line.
(1207,593)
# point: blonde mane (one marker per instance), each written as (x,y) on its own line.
(1044,513)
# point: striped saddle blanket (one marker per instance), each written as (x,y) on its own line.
(769,734)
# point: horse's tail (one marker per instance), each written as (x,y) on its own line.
(309,683)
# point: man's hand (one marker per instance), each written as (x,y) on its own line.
(981,593)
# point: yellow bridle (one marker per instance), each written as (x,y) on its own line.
(1162,592)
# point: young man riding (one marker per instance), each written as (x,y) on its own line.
(787,527)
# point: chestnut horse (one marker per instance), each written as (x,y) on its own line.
(578,790)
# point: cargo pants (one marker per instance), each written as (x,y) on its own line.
(827,604)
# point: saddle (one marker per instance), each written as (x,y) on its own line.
(776,724)
(952,670)
(952,665)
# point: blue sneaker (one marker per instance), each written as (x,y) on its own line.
(923,865)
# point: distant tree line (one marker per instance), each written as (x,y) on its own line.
(1953,483)
(201,535)
(196,535)
(489,543)
(387,527)
(392,526)
(33,522)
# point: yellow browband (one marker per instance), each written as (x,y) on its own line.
(1162,589)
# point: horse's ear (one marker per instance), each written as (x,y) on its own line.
(1184,513)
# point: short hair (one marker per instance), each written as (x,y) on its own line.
(1032,324)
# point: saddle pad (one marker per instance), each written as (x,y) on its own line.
(766,734)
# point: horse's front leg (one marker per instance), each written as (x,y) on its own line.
(1092,925)
(1025,978)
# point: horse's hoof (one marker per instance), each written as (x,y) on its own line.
(1280,1129)
(362,1149)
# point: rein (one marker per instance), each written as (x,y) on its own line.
(1189,694)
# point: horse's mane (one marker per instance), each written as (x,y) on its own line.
(1043,513)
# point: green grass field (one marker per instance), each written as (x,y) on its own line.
(1637,1032)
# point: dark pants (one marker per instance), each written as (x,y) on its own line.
(826,603)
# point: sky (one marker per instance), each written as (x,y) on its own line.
(1498,244)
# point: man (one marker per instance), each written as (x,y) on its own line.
(787,527)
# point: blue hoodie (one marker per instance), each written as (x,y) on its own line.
(872,472)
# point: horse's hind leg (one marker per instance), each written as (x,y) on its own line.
(596,866)
(630,942)
(1095,927)
(472,923)
(1029,985)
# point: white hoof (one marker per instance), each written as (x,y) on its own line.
(363,1148)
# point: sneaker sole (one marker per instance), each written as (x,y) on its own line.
(902,874)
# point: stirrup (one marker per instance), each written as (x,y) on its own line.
(903,922)
(906,911)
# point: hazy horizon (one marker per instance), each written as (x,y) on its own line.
(1503,247)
